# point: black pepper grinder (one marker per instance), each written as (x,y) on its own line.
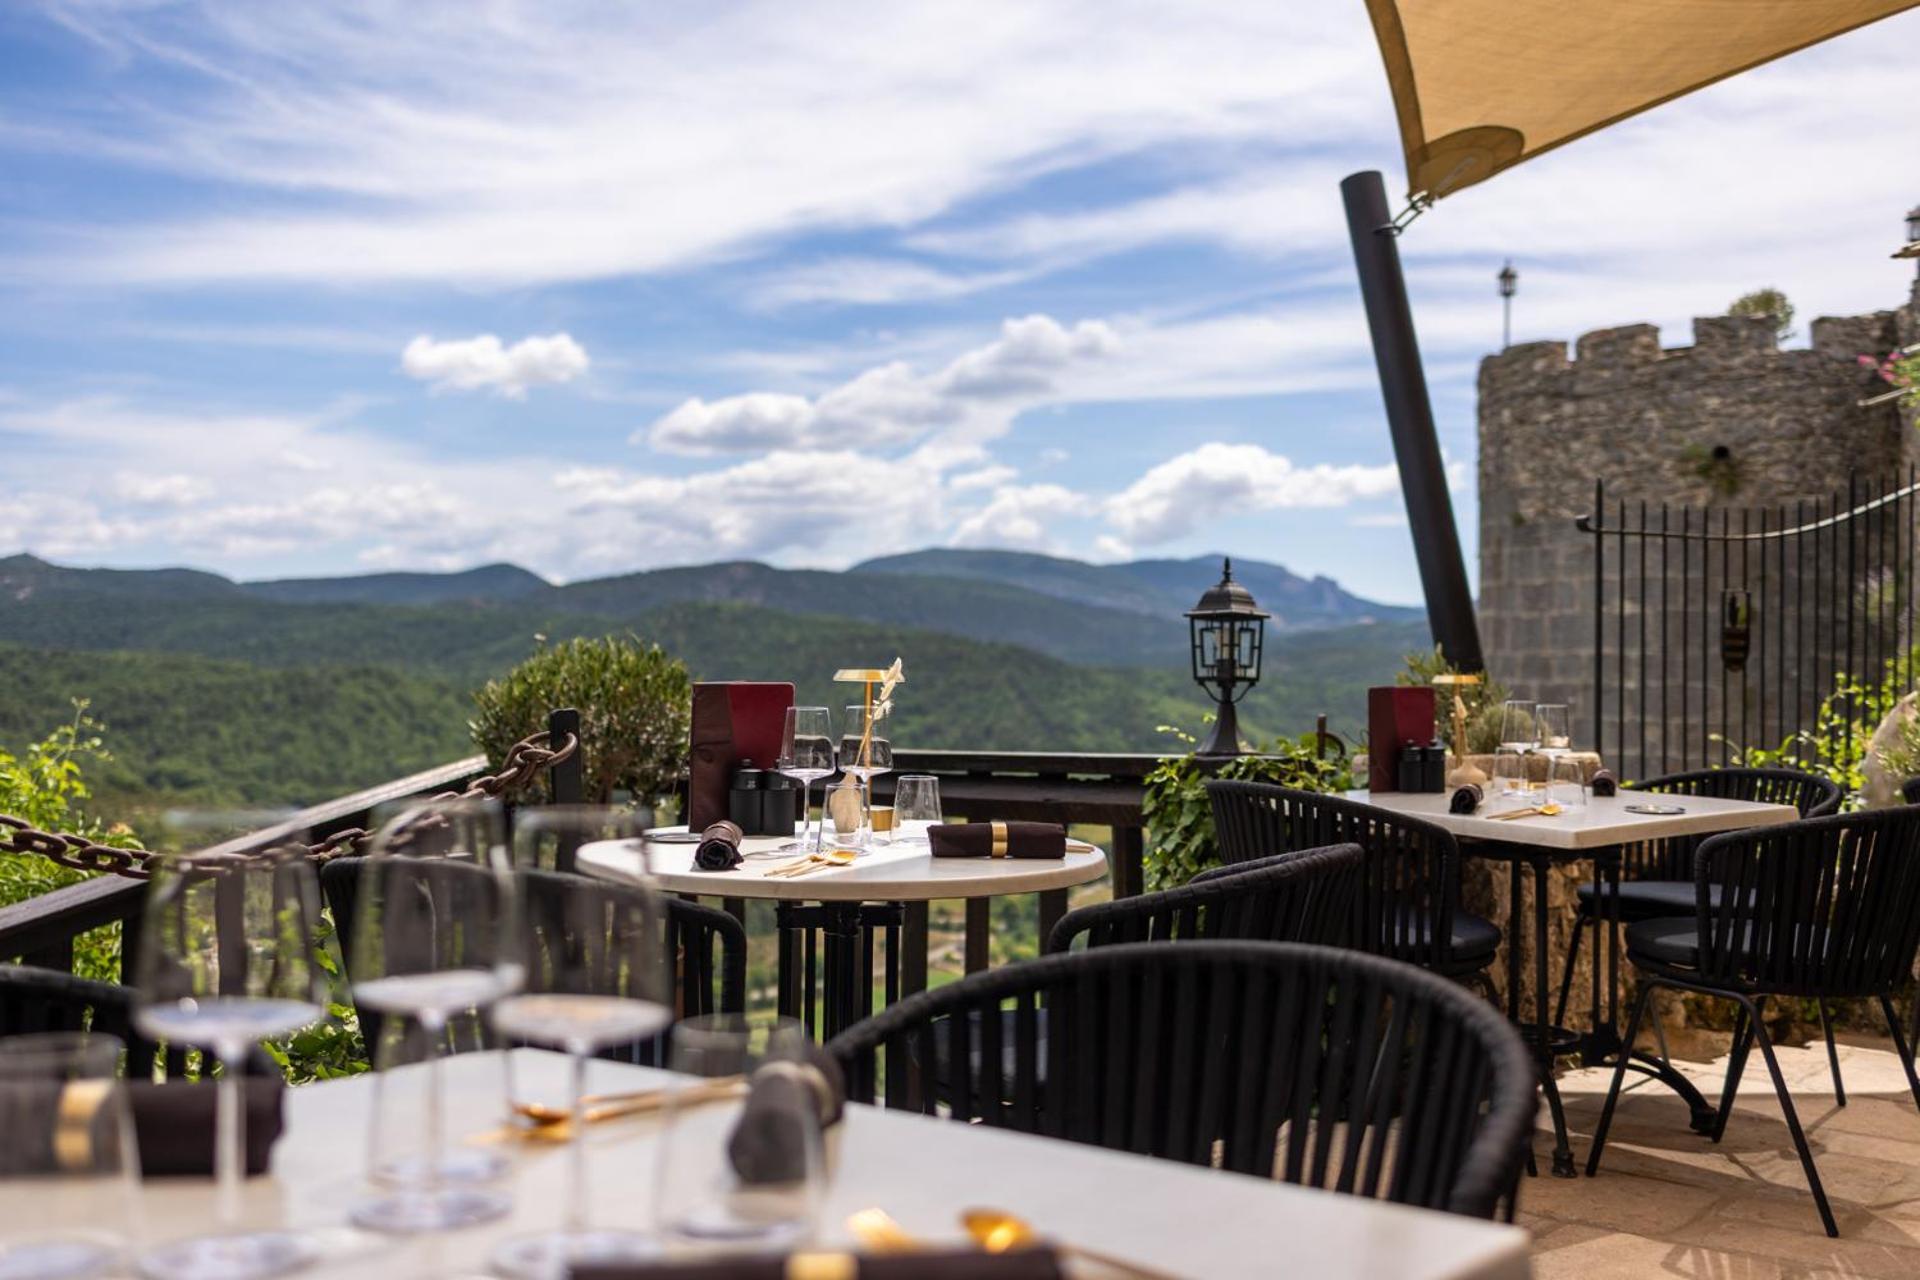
(1434,775)
(779,805)
(1412,766)
(743,799)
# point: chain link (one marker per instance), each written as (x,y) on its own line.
(525,761)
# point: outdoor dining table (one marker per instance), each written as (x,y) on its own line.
(836,899)
(923,1171)
(1596,831)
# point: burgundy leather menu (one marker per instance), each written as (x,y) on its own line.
(733,721)
(1396,715)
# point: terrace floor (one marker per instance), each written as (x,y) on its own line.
(1668,1202)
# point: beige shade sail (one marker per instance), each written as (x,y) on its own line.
(1481,85)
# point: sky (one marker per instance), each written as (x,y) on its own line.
(300,289)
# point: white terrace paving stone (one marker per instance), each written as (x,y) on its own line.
(1669,1203)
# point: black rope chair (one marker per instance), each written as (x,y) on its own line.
(705,948)
(35,1000)
(1656,876)
(1408,902)
(1910,791)
(1319,1066)
(1822,909)
(1290,897)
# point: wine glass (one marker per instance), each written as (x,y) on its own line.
(864,752)
(1552,729)
(806,753)
(598,976)
(436,937)
(69,1153)
(226,959)
(1517,729)
(734,1174)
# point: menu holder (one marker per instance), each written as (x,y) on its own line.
(733,721)
(1396,714)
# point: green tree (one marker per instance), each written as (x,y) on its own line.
(1768,303)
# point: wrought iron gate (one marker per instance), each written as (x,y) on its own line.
(1720,627)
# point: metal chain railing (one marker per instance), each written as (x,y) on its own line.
(525,760)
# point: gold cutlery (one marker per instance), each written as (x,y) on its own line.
(553,1123)
(876,1229)
(814,862)
(1531,811)
(997,1231)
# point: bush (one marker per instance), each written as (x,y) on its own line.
(42,787)
(635,703)
(1179,818)
(1485,701)
(1766,304)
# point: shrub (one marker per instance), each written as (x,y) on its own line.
(634,700)
(1180,841)
(1485,701)
(1768,304)
(43,786)
(1838,744)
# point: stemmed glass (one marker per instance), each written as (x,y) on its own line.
(69,1154)
(864,754)
(598,975)
(436,935)
(806,753)
(226,960)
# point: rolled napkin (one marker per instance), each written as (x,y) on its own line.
(1465,799)
(929,1264)
(766,1145)
(1603,783)
(173,1124)
(998,840)
(719,848)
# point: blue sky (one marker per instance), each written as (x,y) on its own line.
(294,289)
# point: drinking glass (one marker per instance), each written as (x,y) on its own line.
(865,751)
(806,753)
(226,959)
(703,1198)
(1517,730)
(1509,775)
(843,810)
(916,807)
(69,1152)
(1552,727)
(1566,781)
(435,940)
(598,975)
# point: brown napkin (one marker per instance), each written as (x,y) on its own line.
(719,848)
(173,1123)
(1603,783)
(1465,799)
(767,1145)
(998,840)
(958,1264)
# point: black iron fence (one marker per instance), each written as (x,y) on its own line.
(1717,628)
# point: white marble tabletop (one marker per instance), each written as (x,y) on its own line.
(1603,822)
(898,872)
(1185,1220)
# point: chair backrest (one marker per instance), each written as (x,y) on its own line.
(1323,1067)
(706,948)
(1825,906)
(1672,859)
(1410,880)
(1290,897)
(34,1000)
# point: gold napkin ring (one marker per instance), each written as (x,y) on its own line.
(822,1266)
(80,1101)
(999,849)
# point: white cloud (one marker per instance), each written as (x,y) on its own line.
(872,281)
(988,477)
(1215,480)
(169,490)
(981,391)
(1020,516)
(471,364)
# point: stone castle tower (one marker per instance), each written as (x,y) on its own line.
(1729,422)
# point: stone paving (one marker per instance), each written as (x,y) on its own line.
(1668,1202)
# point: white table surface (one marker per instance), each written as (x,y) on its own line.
(885,873)
(1186,1220)
(1602,822)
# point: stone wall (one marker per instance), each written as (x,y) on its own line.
(1659,425)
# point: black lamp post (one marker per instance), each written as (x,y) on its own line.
(1509,282)
(1913,237)
(1228,630)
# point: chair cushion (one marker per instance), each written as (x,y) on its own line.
(1650,899)
(1673,941)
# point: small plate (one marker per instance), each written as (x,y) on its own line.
(670,837)
(1655,810)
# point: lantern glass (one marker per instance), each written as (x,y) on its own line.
(1913,223)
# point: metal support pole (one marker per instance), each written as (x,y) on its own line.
(1416,447)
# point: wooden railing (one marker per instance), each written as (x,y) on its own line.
(1084,789)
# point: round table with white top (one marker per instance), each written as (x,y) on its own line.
(888,886)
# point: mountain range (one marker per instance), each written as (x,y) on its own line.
(287,691)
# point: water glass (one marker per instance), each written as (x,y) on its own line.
(1509,785)
(1567,781)
(227,959)
(844,815)
(704,1198)
(69,1152)
(916,807)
